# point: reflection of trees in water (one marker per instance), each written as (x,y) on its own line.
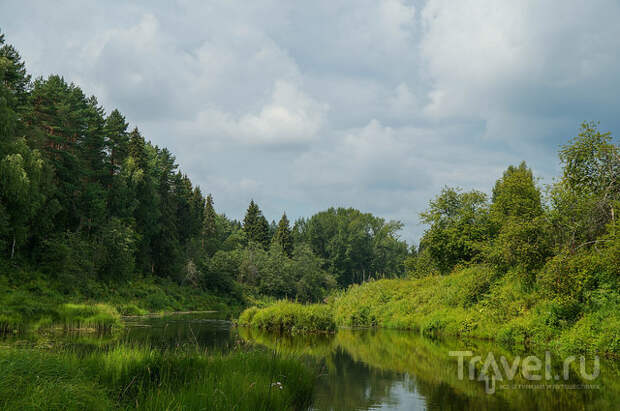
(370,368)
(354,385)
(180,330)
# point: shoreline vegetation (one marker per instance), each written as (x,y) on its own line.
(472,302)
(29,302)
(142,378)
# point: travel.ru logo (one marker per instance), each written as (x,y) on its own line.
(529,368)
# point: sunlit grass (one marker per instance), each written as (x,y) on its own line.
(142,378)
(290,317)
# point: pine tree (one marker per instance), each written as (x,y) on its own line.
(137,149)
(209,228)
(256,226)
(283,235)
(117,140)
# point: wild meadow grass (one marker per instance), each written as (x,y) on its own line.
(289,317)
(142,378)
(97,317)
(100,317)
(31,300)
(473,302)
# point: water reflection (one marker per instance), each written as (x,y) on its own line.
(364,369)
(187,330)
(385,369)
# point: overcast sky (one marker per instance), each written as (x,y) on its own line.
(302,105)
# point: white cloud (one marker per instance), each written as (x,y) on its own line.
(290,117)
(521,57)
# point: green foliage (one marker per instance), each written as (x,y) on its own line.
(283,236)
(273,273)
(516,195)
(209,231)
(587,197)
(521,233)
(459,225)
(354,246)
(141,378)
(285,316)
(99,316)
(245,318)
(255,225)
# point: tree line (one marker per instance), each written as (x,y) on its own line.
(85,196)
(561,238)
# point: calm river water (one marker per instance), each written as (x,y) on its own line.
(392,370)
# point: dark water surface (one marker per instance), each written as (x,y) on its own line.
(392,370)
(397,370)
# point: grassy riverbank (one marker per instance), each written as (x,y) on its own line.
(30,300)
(145,379)
(289,317)
(477,302)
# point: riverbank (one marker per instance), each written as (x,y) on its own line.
(474,302)
(30,300)
(142,378)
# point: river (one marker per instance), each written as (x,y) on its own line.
(373,369)
(397,370)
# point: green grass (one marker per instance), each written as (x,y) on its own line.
(100,317)
(146,379)
(289,317)
(474,303)
(470,303)
(30,301)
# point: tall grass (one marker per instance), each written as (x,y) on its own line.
(290,317)
(30,316)
(30,299)
(473,302)
(100,317)
(146,379)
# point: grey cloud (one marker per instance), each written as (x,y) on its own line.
(375,105)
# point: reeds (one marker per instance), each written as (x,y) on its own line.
(127,377)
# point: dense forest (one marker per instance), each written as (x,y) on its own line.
(86,200)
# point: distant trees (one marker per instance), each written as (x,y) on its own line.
(283,236)
(256,226)
(355,246)
(84,198)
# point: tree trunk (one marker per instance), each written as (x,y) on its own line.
(13,248)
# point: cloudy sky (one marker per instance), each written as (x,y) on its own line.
(370,104)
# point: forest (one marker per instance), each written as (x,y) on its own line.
(89,205)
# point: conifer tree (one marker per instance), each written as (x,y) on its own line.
(283,235)
(117,140)
(256,226)
(137,149)
(209,228)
